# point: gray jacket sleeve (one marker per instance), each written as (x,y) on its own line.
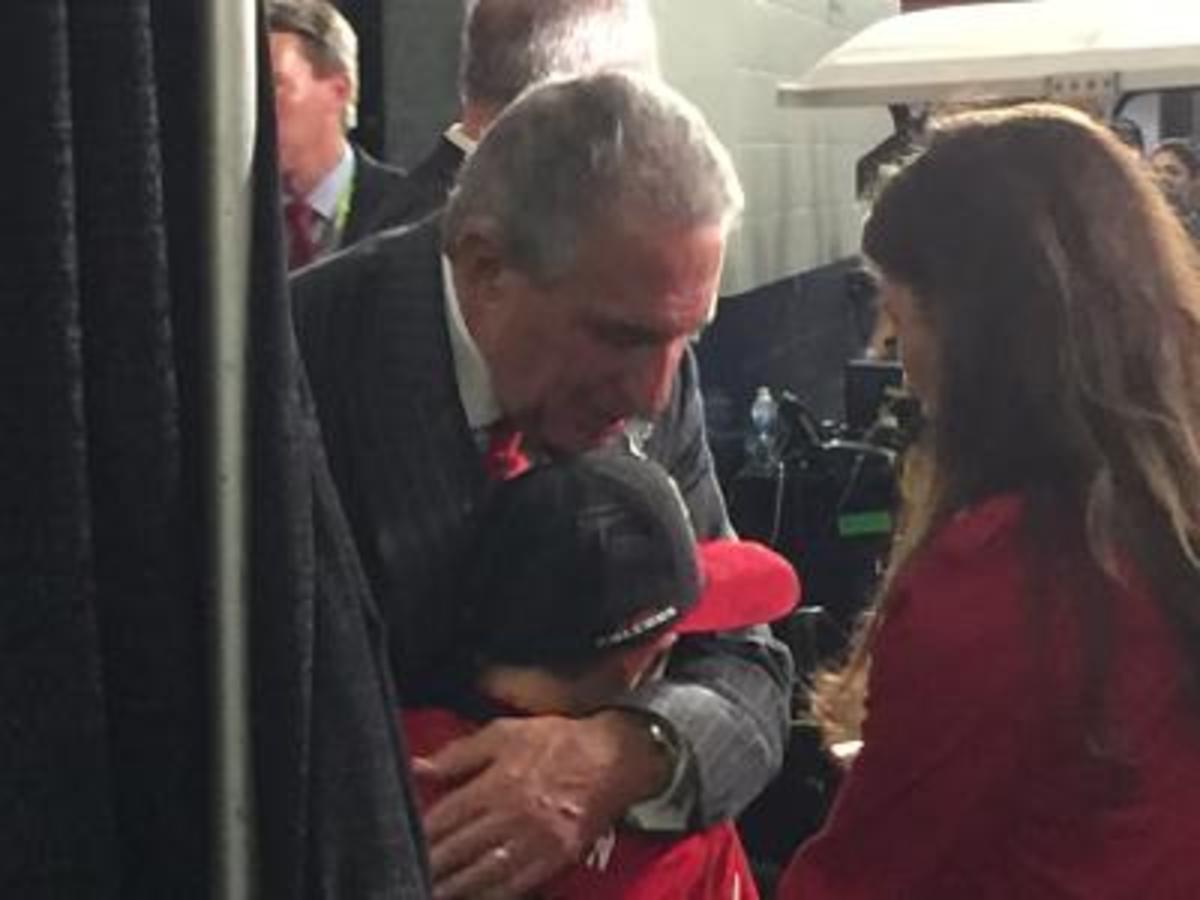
(727,696)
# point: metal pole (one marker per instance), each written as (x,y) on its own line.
(230,110)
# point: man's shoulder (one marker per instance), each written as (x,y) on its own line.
(405,252)
(433,177)
(441,164)
(385,196)
(375,168)
(356,290)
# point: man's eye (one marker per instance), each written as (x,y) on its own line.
(621,338)
(626,340)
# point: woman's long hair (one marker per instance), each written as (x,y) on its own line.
(1064,297)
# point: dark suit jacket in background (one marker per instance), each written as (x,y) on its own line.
(382,198)
(373,332)
(433,178)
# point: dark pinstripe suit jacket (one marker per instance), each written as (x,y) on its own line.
(373,334)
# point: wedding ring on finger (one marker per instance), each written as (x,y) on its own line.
(501,854)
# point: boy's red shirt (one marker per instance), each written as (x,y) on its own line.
(623,864)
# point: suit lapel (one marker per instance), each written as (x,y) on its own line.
(364,199)
(425,472)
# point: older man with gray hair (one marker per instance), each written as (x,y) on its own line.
(509,45)
(553,306)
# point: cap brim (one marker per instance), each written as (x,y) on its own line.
(745,583)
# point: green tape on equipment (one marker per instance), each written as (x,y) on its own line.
(863,524)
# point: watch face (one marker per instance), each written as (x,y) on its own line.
(663,738)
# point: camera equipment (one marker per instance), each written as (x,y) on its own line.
(824,496)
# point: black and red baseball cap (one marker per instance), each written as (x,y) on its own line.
(593,553)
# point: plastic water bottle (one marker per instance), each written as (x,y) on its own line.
(762,448)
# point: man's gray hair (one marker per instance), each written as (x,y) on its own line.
(510,45)
(608,150)
(330,44)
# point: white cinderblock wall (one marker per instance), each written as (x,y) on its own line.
(797,167)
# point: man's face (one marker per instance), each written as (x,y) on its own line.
(1172,175)
(308,106)
(573,359)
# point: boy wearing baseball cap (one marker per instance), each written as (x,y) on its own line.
(583,574)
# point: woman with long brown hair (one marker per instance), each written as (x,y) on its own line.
(1028,688)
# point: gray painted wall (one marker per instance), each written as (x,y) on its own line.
(797,168)
(420,72)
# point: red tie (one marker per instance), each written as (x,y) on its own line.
(503,458)
(298,216)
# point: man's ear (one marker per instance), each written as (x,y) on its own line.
(340,83)
(477,261)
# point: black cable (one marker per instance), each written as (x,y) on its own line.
(809,427)
(777,513)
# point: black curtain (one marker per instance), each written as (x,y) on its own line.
(104,721)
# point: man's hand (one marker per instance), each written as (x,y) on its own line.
(532,796)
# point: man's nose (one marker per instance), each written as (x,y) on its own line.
(649,383)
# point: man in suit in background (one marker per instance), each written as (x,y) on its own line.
(334,193)
(556,299)
(509,45)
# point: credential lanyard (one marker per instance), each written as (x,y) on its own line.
(341,212)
